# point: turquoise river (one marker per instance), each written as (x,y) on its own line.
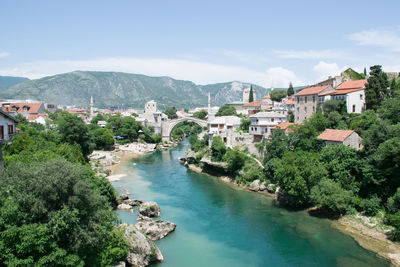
(219,225)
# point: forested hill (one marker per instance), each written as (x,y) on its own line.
(8,81)
(125,90)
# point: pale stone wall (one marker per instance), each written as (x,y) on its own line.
(304,107)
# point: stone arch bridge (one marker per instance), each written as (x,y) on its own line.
(168,126)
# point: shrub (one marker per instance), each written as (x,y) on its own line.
(370,206)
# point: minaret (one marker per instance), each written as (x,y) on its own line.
(91,106)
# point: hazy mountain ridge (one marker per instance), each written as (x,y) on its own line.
(126,90)
(8,81)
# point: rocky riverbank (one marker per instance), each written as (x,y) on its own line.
(363,229)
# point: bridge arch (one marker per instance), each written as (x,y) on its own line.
(168,126)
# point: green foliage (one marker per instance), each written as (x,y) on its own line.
(277,95)
(334,105)
(370,206)
(251,96)
(353,75)
(196,144)
(235,159)
(102,138)
(218,149)
(245,124)
(53,214)
(377,88)
(97,118)
(226,110)
(390,110)
(290,90)
(331,196)
(297,172)
(185,128)
(343,164)
(202,114)
(362,122)
(393,203)
(393,220)
(291,116)
(74,131)
(171,113)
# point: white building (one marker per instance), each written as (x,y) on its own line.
(263,123)
(225,127)
(7,126)
(152,116)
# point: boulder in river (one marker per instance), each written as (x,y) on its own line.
(132,202)
(255,185)
(142,251)
(150,209)
(263,186)
(154,229)
(124,207)
(124,197)
(270,188)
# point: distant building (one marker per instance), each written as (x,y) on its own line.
(255,107)
(306,102)
(7,126)
(287,127)
(262,123)
(23,108)
(152,116)
(38,118)
(182,114)
(238,106)
(341,137)
(102,124)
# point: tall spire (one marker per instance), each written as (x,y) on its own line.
(91,105)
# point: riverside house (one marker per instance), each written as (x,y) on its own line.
(262,123)
(341,137)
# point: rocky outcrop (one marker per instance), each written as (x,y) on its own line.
(255,185)
(150,209)
(124,207)
(154,229)
(137,148)
(132,202)
(270,188)
(142,251)
(263,186)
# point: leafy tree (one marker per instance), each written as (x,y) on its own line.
(370,206)
(365,72)
(226,110)
(290,90)
(377,88)
(202,114)
(334,105)
(362,122)
(52,215)
(277,95)
(218,149)
(171,113)
(298,172)
(251,96)
(390,110)
(331,196)
(343,164)
(74,131)
(291,116)
(102,138)
(97,118)
(393,203)
(235,159)
(245,124)
(395,87)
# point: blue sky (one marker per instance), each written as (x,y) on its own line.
(263,42)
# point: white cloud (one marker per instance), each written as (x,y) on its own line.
(309,54)
(324,70)
(386,38)
(4,54)
(196,71)
(243,56)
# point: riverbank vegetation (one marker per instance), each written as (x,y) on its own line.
(337,179)
(54,210)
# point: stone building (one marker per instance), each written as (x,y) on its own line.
(152,116)
(306,102)
(224,126)
(341,137)
(262,123)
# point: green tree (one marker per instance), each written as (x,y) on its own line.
(390,110)
(297,172)
(74,131)
(245,124)
(334,105)
(226,110)
(171,113)
(235,159)
(277,95)
(290,90)
(251,96)
(218,149)
(377,88)
(102,138)
(202,114)
(97,118)
(331,196)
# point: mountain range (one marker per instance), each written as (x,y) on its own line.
(126,90)
(8,81)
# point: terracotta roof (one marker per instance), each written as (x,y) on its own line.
(267,96)
(255,104)
(33,117)
(313,90)
(284,125)
(19,107)
(76,110)
(335,135)
(342,92)
(352,85)
(289,101)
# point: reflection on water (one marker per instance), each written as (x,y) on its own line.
(219,225)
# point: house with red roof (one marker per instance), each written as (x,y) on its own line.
(23,108)
(255,107)
(306,101)
(287,127)
(7,126)
(352,92)
(341,137)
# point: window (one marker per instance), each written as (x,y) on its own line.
(321,99)
(305,99)
(298,99)
(354,108)
(272,119)
(313,109)
(298,109)
(305,109)
(361,96)
(1,132)
(297,118)
(10,129)
(313,99)
(255,128)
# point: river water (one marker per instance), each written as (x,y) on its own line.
(219,225)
